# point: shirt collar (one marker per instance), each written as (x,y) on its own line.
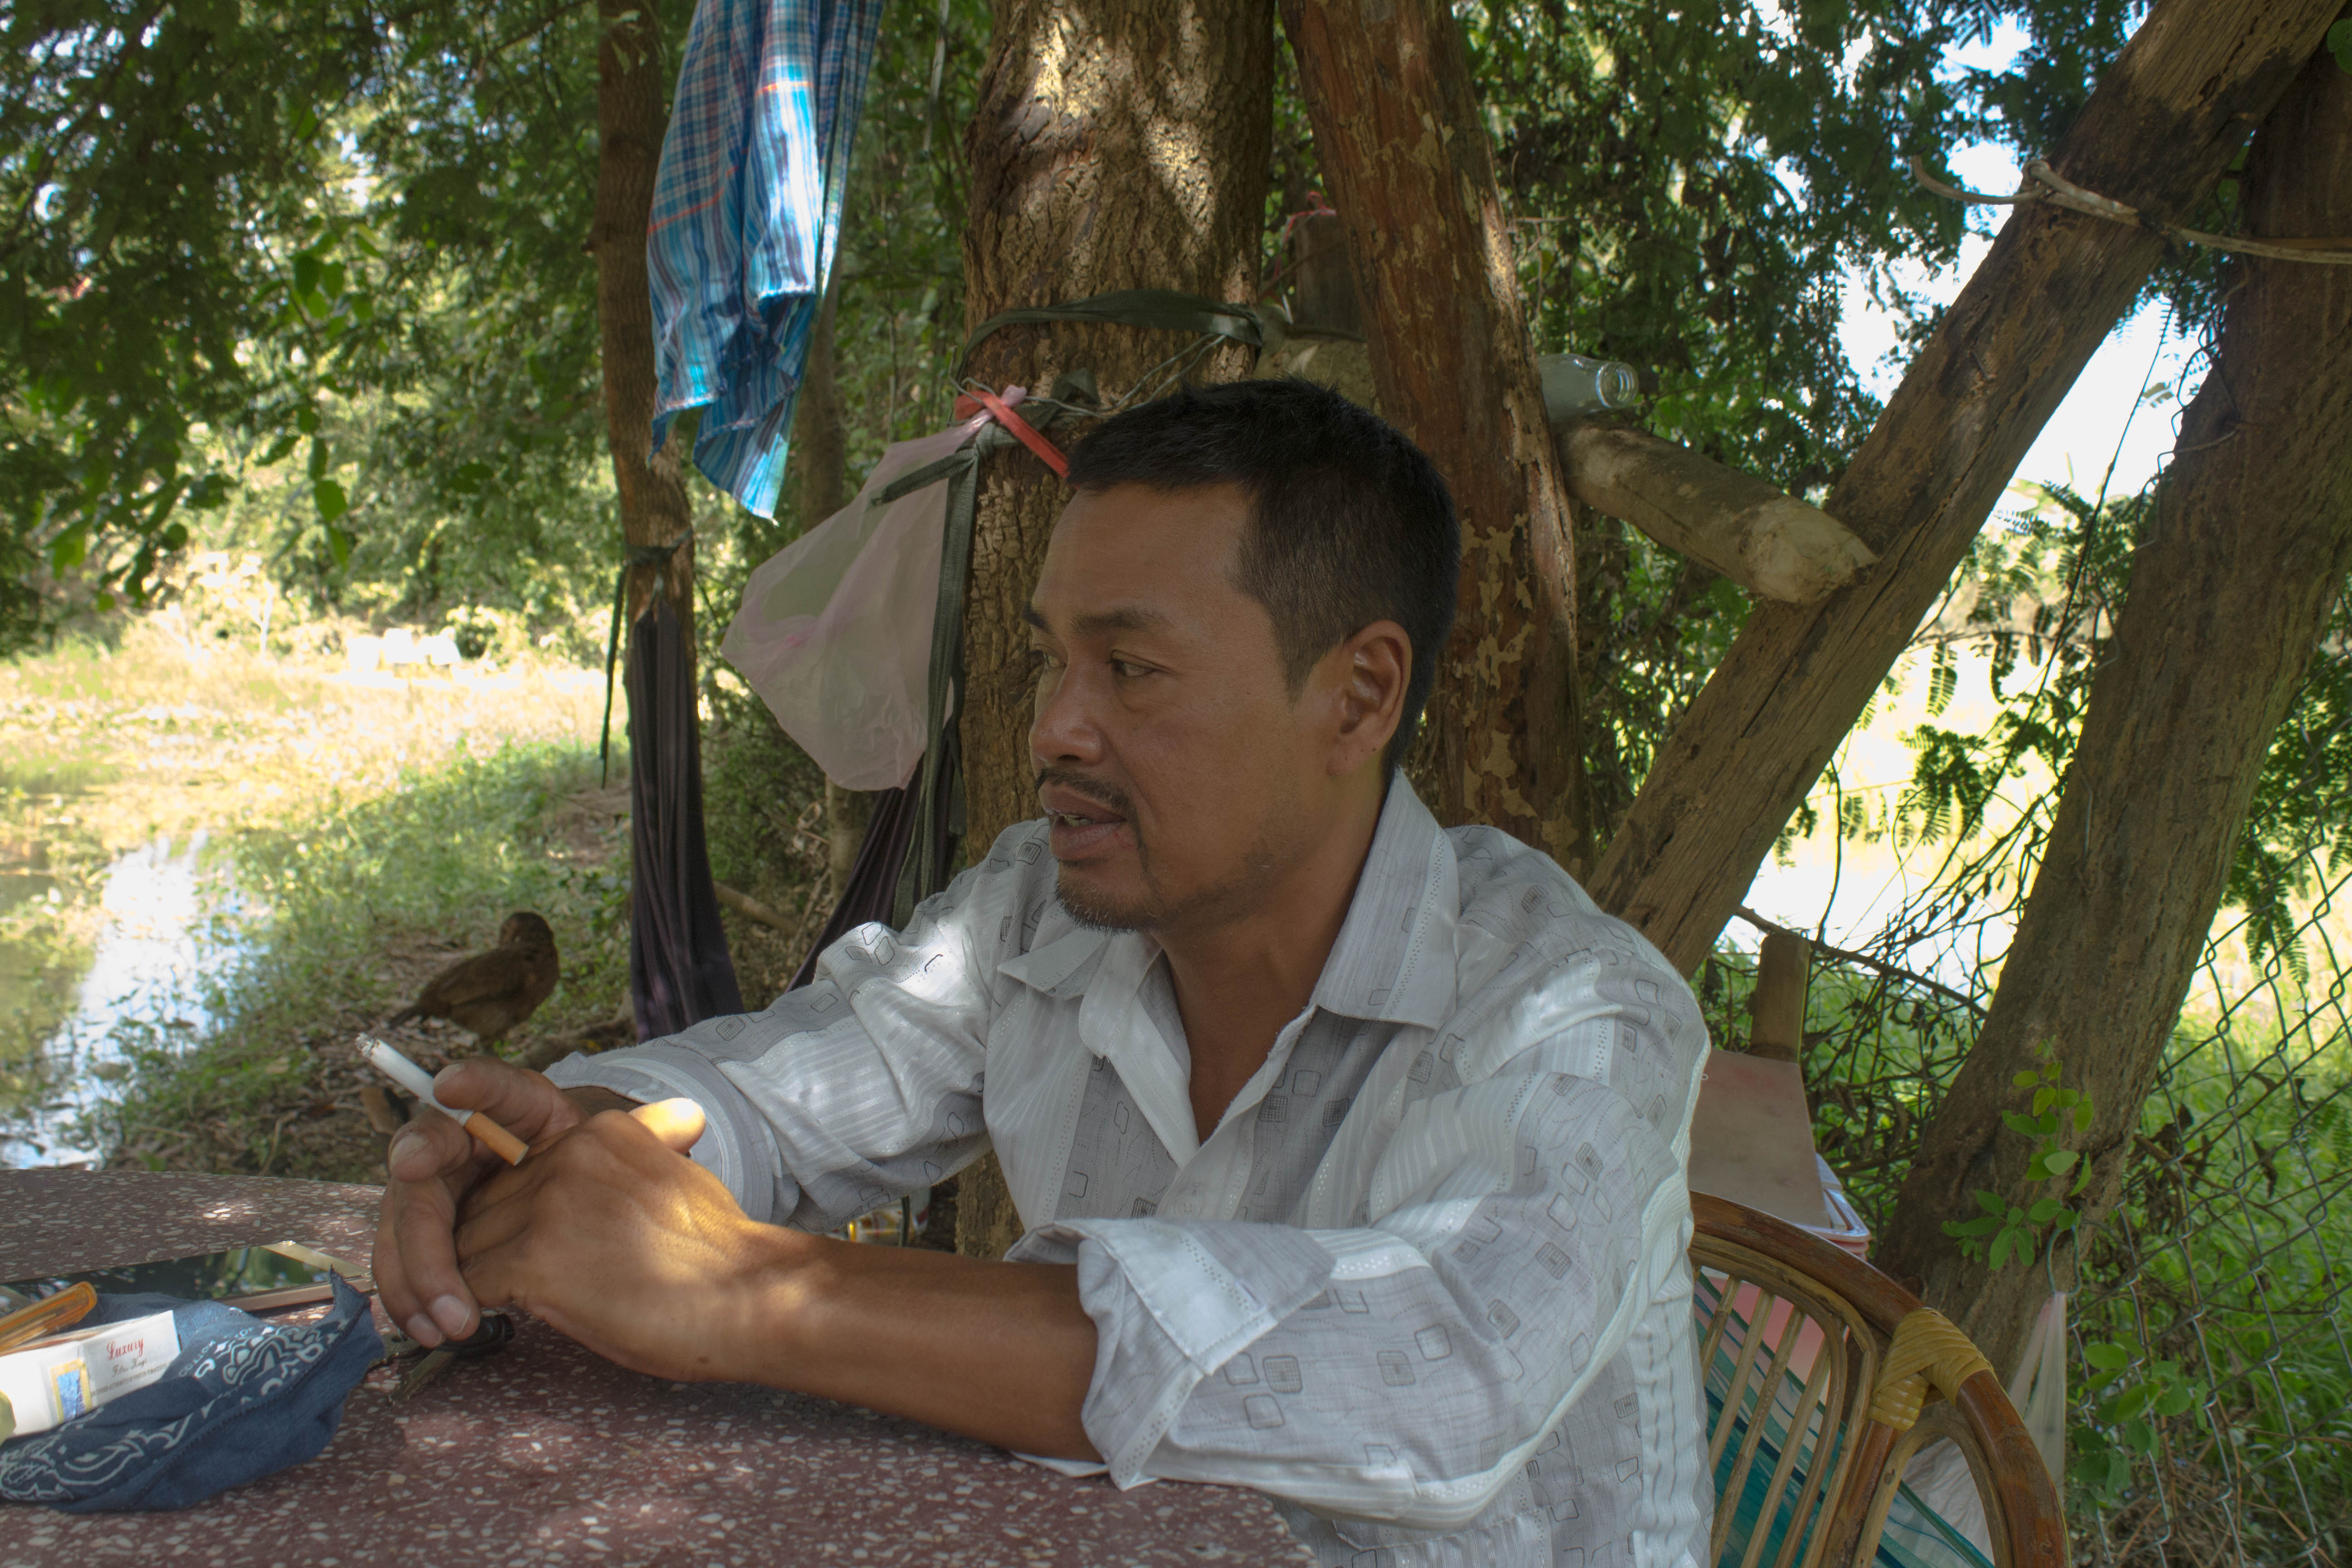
(1105,973)
(1395,958)
(1393,961)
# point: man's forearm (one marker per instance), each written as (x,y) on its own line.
(1000,1351)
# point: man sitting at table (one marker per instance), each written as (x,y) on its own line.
(1351,1150)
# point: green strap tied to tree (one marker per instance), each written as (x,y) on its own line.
(1167,310)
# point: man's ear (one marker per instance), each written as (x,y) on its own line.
(1372,668)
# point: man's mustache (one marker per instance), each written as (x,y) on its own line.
(1094,789)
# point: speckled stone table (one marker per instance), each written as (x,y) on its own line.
(546,1454)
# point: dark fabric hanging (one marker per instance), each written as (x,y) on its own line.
(679,969)
(889,873)
(873,885)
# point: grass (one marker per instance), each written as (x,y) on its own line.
(373,833)
(363,900)
(373,836)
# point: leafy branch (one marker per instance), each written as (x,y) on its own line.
(2007,1229)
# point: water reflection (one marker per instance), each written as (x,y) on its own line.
(169,939)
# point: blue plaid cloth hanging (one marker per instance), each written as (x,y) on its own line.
(746,214)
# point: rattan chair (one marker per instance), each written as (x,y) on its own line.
(1829,1378)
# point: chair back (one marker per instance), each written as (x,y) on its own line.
(1824,1378)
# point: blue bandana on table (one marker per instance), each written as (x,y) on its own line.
(746,213)
(244,1399)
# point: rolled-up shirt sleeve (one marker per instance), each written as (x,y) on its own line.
(1406,1370)
(810,1122)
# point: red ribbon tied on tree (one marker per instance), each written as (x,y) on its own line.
(1000,410)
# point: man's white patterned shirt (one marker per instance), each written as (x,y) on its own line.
(1425,1284)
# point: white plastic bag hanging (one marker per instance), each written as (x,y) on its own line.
(2039,1389)
(835,632)
(1939,1475)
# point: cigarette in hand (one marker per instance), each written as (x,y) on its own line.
(419,1082)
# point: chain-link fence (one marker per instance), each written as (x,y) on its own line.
(2211,1378)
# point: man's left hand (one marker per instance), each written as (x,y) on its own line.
(613,1237)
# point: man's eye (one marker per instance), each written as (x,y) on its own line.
(1126,671)
(1041,661)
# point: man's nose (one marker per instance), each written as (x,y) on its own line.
(1065,729)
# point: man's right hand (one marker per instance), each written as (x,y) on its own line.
(433,1163)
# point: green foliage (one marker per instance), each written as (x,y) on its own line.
(323,230)
(2046,595)
(2125,1397)
(153,159)
(1689,196)
(762,797)
(1697,197)
(2007,1229)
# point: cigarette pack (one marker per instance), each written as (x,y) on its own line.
(54,1380)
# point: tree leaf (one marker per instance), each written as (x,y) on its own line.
(332,503)
(2058,1162)
(67,550)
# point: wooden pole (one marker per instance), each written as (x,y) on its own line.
(2230,591)
(1777,1006)
(2161,128)
(1774,545)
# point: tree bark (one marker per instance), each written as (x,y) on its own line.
(820,456)
(2228,596)
(630,116)
(2161,128)
(1321,281)
(1405,155)
(1117,145)
(820,440)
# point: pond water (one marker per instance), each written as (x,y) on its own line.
(170,933)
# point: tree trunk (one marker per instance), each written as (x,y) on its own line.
(820,441)
(1117,145)
(820,456)
(1404,153)
(2228,595)
(1320,283)
(2166,122)
(631,116)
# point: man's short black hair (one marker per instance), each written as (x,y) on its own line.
(1350,522)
